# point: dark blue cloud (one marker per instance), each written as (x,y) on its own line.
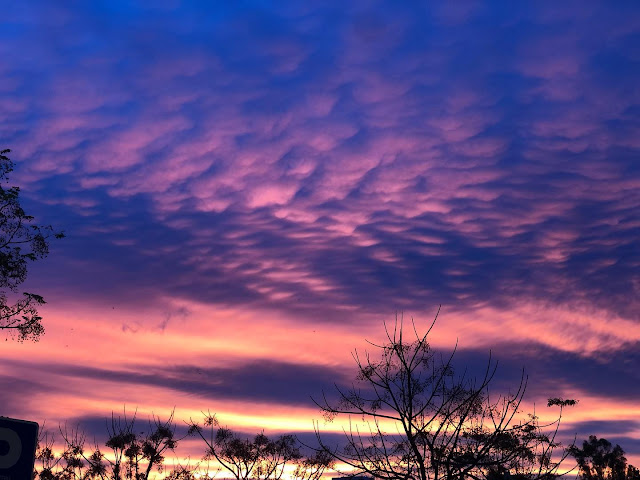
(265,380)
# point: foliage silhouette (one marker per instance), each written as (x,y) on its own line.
(20,243)
(134,455)
(598,459)
(421,421)
(260,458)
(312,467)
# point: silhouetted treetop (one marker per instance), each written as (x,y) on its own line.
(598,459)
(412,417)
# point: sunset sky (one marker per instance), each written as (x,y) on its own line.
(249,189)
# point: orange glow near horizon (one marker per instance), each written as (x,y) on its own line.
(103,347)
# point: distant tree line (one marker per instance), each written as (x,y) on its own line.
(134,455)
(131,454)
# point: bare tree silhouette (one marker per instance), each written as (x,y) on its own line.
(421,421)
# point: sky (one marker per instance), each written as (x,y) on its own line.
(250,189)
